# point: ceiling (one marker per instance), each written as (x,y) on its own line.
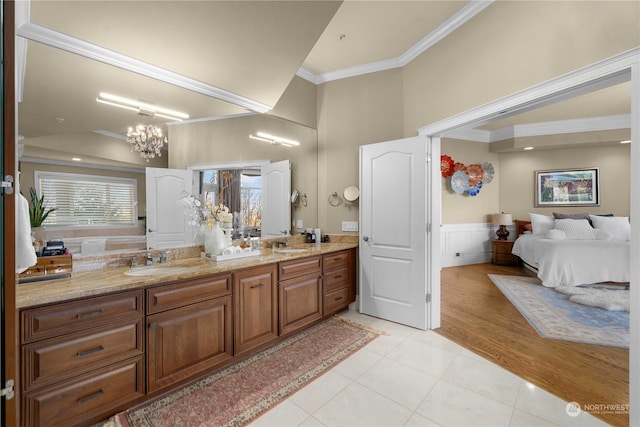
(213,59)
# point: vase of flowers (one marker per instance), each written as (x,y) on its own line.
(215,240)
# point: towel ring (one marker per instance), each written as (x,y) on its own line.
(334,199)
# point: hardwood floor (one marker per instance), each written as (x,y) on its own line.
(476,315)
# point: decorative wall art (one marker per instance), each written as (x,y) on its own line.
(467,179)
(567,187)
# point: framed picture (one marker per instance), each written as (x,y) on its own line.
(570,187)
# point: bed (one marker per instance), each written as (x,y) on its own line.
(572,262)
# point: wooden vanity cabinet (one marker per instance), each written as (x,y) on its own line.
(82,360)
(339,284)
(189,329)
(299,293)
(255,307)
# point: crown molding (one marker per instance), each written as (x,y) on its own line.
(599,75)
(470,10)
(83,48)
(140,170)
(591,124)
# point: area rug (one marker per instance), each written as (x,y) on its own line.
(552,315)
(240,393)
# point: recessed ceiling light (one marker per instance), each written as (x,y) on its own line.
(76,159)
(528,148)
(626,141)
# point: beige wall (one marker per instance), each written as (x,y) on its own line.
(298,103)
(516,178)
(352,112)
(508,47)
(221,141)
(462,208)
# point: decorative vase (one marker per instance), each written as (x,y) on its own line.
(215,241)
(201,235)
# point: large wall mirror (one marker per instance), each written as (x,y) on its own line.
(63,129)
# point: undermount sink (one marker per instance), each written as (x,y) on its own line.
(154,271)
(291,250)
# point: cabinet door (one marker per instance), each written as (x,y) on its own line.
(300,302)
(187,340)
(256,307)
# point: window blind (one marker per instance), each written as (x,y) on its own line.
(88,199)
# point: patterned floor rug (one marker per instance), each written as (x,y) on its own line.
(554,316)
(240,393)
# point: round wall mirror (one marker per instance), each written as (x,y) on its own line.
(351,193)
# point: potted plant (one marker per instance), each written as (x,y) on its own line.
(38,210)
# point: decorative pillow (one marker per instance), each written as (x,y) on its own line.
(617,226)
(576,229)
(583,215)
(540,224)
(554,234)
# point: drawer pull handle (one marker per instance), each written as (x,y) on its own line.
(261,285)
(90,314)
(153,325)
(337,298)
(88,352)
(91,396)
(339,276)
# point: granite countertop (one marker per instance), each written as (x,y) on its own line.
(97,282)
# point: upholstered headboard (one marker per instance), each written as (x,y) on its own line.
(521,226)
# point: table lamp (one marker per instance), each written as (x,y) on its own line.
(502,219)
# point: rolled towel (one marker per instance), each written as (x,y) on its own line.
(25,253)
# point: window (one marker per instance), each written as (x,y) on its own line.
(251,190)
(88,199)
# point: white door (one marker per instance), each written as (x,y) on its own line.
(276,201)
(167,225)
(393,231)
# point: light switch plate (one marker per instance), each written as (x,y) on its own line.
(349,225)
(299,223)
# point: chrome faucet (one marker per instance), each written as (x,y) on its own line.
(164,257)
(134,261)
(149,258)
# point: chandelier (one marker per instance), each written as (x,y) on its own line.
(146,140)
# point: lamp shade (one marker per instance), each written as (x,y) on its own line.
(502,219)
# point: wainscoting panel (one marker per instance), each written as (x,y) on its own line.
(464,244)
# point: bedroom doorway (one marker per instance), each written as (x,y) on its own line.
(621,68)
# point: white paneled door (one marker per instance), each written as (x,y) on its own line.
(167,225)
(393,231)
(276,199)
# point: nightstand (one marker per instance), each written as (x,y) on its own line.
(502,253)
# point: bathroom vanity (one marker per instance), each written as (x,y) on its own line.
(101,341)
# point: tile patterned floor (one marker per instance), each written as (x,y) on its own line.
(419,378)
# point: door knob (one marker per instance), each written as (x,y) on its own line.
(150,230)
(365,238)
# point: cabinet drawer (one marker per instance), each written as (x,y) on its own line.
(336,300)
(92,396)
(53,359)
(336,260)
(335,279)
(45,322)
(188,292)
(299,267)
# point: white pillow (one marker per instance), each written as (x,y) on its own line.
(540,224)
(575,229)
(554,234)
(617,226)
(602,234)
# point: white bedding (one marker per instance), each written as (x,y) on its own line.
(574,262)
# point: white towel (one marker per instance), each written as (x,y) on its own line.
(25,253)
